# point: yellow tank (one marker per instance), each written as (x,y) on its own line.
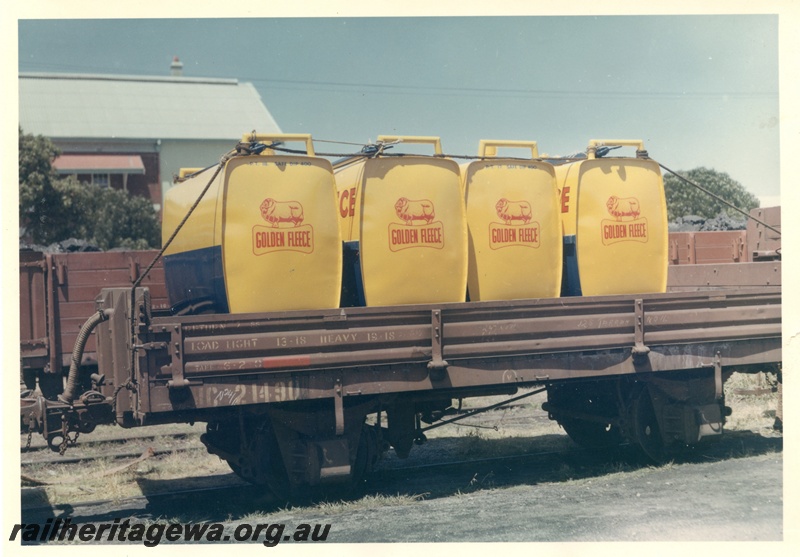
(265,236)
(407,215)
(515,240)
(614,217)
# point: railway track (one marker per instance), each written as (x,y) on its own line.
(385,479)
(40,453)
(90,458)
(37,444)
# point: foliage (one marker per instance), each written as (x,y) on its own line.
(123,220)
(54,209)
(40,202)
(684,199)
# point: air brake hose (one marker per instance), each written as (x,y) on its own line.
(77,354)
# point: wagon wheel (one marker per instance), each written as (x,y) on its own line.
(268,464)
(646,432)
(592,435)
(260,464)
(366,457)
(273,485)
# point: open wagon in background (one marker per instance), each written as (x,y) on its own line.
(734,258)
(57,292)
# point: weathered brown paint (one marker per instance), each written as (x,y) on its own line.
(33,317)
(486,345)
(57,295)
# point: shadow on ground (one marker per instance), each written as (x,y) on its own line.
(490,463)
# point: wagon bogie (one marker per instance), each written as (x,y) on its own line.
(661,414)
(292,447)
(591,413)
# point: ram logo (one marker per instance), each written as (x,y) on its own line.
(409,210)
(277,212)
(511,211)
(620,208)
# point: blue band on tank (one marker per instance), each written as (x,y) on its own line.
(196,281)
(571,280)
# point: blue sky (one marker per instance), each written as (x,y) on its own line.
(700,90)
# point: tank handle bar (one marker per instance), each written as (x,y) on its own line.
(431,140)
(488,147)
(595,143)
(273,137)
(184,172)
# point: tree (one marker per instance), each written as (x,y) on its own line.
(684,199)
(124,220)
(41,207)
(54,209)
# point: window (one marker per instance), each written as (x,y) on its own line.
(100,180)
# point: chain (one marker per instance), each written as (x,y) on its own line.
(30,438)
(65,431)
(67,442)
(62,448)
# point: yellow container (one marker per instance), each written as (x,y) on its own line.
(614,216)
(348,178)
(407,213)
(515,240)
(265,236)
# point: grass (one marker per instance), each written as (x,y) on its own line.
(332,508)
(751,412)
(368,502)
(98,480)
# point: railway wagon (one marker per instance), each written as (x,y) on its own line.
(57,292)
(299,399)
